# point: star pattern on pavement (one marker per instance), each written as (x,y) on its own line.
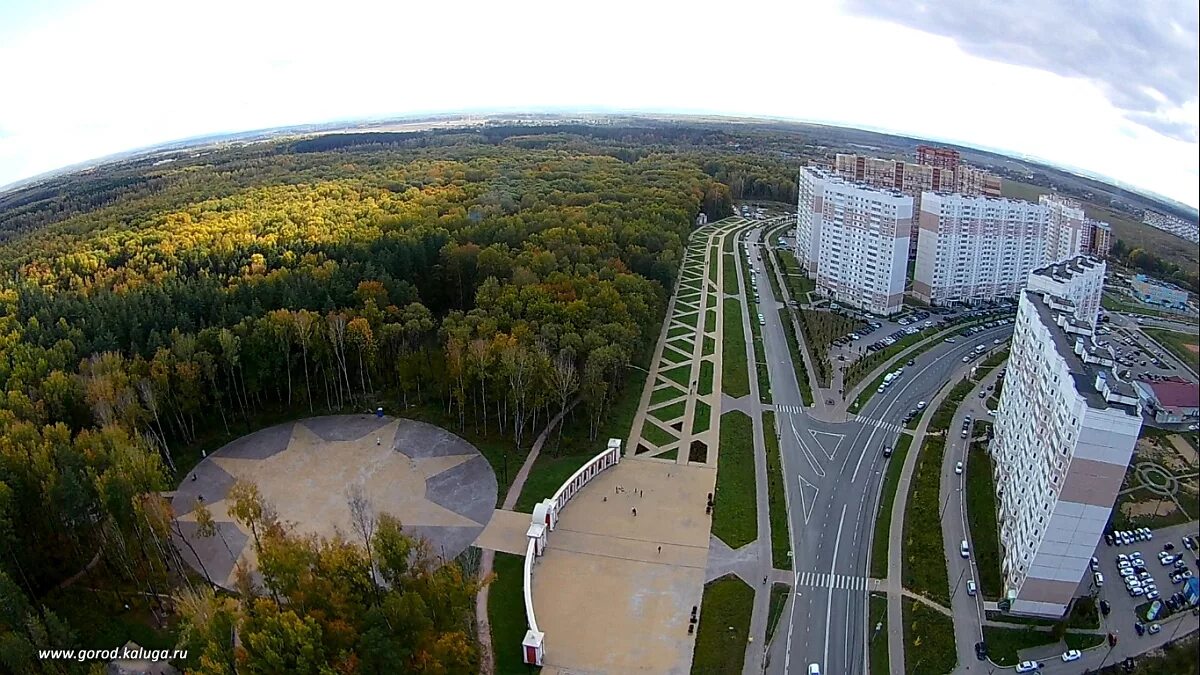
(310,492)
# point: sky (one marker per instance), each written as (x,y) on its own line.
(1104,86)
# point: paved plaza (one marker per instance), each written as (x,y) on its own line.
(611,600)
(436,483)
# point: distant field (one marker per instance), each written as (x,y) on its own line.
(1134,233)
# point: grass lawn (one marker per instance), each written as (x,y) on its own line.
(700,418)
(887,495)
(981,513)
(924,563)
(710,321)
(780,542)
(669,412)
(779,596)
(731,279)
(928,639)
(798,282)
(704,388)
(880,663)
(506,613)
(785,317)
(1182,345)
(1003,644)
(735,378)
(727,603)
(735,519)
(945,413)
(713,260)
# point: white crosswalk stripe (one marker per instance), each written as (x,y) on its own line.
(879,424)
(788,408)
(841,582)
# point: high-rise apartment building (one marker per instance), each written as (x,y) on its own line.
(943,158)
(1071,232)
(976,249)
(972,181)
(853,240)
(1101,238)
(1064,434)
(1079,279)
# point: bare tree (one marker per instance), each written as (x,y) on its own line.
(565,380)
(363,520)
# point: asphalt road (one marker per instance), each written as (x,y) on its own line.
(833,473)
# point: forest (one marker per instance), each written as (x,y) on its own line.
(491,276)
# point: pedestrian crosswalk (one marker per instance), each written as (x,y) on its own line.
(879,424)
(794,409)
(843,582)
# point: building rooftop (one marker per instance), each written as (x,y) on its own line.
(1176,393)
(1068,268)
(1084,374)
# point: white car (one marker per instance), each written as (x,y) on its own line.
(958,468)
(964,550)
(1027,666)
(814,669)
(970,587)
(1071,655)
(1099,579)
(921,405)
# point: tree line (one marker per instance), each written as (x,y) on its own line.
(493,281)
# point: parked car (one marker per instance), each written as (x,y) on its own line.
(1028,666)
(980,651)
(1071,655)
(970,587)
(964,550)
(1105,608)
(1140,628)
(1154,628)
(958,468)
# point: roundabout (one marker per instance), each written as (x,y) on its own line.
(438,485)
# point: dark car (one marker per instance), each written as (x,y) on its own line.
(1105,608)
(1168,546)
(1140,628)
(1108,539)
(887,451)
(980,651)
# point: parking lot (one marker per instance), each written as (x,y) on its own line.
(1138,354)
(880,333)
(1121,618)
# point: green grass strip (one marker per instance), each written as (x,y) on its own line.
(776,500)
(924,560)
(735,379)
(724,627)
(735,519)
(887,497)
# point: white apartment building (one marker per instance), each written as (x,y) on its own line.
(974,249)
(1079,279)
(1064,434)
(1066,231)
(853,240)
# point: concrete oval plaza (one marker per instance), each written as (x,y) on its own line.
(438,485)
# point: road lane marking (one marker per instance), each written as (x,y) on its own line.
(816,438)
(805,505)
(832,565)
(808,454)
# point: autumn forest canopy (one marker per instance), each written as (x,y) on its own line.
(496,277)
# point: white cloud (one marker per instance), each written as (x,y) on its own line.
(112,75)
